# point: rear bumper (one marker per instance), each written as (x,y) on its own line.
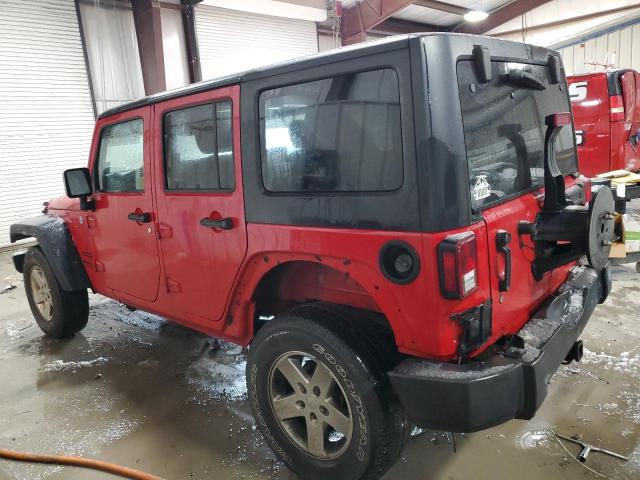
(493,388)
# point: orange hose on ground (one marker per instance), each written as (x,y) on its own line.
(77,462)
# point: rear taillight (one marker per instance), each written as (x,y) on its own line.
(616,106)
(458,263)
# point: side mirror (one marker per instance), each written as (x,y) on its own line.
(77,183)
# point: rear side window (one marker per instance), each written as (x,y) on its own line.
(504,130)
(198,148)
(339,134)
(121,158)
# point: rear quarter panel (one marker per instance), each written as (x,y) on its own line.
(417,312)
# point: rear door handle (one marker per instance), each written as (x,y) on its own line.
(222,223)
(139,217)
(503,238)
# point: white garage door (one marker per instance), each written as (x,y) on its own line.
(232,41)
(46,116)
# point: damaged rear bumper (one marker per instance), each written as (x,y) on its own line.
(493,389)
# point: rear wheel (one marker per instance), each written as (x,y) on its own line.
(321,398)
(58,313)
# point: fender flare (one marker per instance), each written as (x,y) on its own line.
(54,239)
(261,262)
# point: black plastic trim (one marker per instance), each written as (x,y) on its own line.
(482,62)
(555,69)
(221,223)
(18,260)
(476,326)
(503,239)
(415,268)
(614,83)
(495,388)
(55,241)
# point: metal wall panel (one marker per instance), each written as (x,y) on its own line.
(46,115)
(619,47)
(232,41)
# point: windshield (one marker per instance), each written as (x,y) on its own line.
(504,129)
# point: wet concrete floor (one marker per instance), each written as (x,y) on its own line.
(136,390)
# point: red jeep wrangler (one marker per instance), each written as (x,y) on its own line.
(606,113)
(371,222)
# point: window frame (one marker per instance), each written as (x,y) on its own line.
(96,163)
(204,191)
(323,193)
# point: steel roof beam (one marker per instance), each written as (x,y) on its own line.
(363,16)
(442,6)
(395,26)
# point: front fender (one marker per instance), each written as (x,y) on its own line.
(56,243)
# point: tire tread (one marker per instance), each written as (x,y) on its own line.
(374,345)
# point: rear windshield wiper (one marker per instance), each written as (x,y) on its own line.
(524,79)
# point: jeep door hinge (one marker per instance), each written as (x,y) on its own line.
(173,286)
(164,231)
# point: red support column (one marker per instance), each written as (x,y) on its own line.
(146,16)
(191,40)
(359,18)
(368,15)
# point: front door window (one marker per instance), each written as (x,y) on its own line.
(121,159)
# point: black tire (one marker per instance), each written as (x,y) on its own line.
(358,353)
(69,312)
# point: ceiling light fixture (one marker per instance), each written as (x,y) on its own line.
(475,16)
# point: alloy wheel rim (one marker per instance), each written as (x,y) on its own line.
(310,405)
(41,293)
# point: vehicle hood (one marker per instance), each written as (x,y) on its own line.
(63,203)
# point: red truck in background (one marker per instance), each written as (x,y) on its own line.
(606,112)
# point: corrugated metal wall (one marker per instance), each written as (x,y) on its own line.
(619,47)
(232,41)
(46,116)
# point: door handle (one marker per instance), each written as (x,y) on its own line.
(503,238)
(222,223)
(139,217)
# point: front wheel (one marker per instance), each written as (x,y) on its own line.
(321,398)
(58,313)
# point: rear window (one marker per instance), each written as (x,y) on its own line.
(198,150)
(339,134)
(504,130)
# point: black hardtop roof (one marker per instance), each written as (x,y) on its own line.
(339,54)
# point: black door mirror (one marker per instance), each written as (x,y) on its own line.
(77,183)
